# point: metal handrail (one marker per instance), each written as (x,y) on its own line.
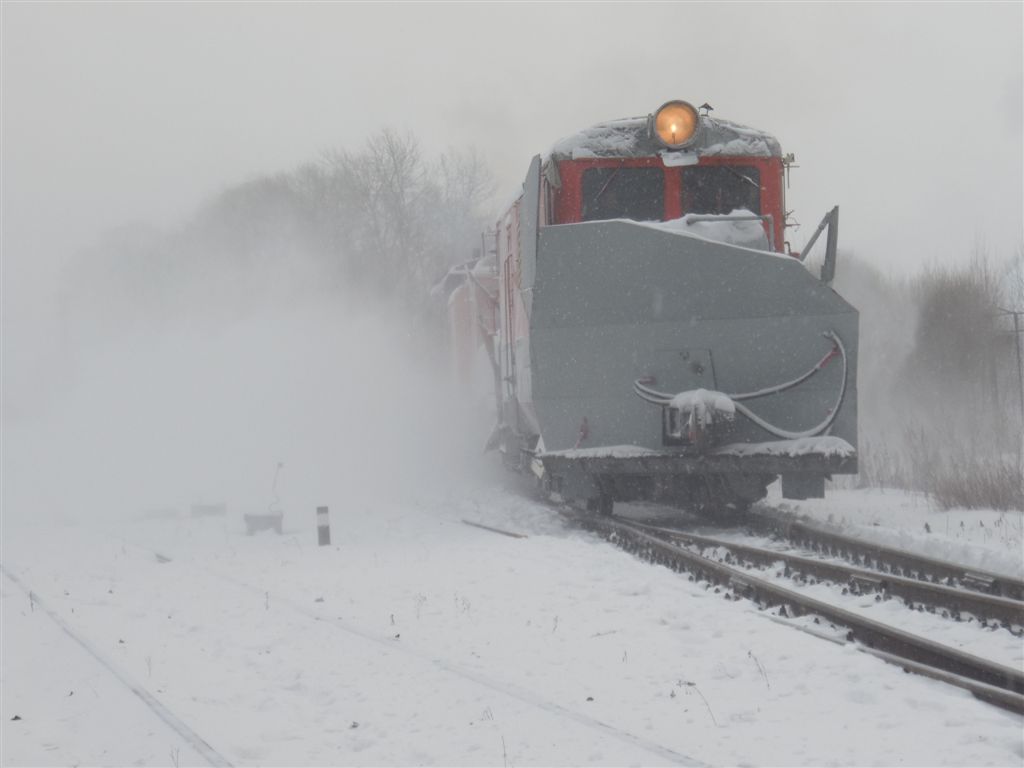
(828,269)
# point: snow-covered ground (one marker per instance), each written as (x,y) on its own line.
(417,639)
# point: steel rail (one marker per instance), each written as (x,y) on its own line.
(978,675)
(158,708)
(1008,612)
(512,690)
(885,558)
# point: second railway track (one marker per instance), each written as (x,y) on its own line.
(988,680)
(883,558)
(953,601)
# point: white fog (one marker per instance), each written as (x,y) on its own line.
(227,236)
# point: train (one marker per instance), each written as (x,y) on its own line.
(643,330)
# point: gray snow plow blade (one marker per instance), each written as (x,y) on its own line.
(616,302)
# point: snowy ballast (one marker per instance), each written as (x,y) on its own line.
(630,138)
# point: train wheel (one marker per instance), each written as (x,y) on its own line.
(603,505)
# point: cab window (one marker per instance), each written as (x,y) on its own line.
(720,189)
(623,193)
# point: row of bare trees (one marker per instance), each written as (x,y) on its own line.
(940,383)
(403,220)
(385,221)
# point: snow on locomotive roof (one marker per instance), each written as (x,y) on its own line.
(630,137)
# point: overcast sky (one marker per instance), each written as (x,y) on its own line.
(906,115)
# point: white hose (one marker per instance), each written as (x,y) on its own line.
(661,398)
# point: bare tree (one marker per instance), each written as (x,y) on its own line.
(385,218)
(380,192)
(408,219)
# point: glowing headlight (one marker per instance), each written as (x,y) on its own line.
(675,124)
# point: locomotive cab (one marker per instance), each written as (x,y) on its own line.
(588,178)
(644,189)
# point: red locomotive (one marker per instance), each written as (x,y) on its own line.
(642,331)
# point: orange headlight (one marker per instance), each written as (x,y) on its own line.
(675,124)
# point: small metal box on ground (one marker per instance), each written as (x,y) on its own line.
(263,522)
(209,510)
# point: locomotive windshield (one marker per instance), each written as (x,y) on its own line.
(720,189)
(623,193)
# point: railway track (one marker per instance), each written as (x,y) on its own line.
(176,723)
(990,681)
(428,659)
(882,558)
(952,601)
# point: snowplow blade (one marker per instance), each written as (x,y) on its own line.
(616,302)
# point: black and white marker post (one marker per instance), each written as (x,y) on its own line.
(323,527)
